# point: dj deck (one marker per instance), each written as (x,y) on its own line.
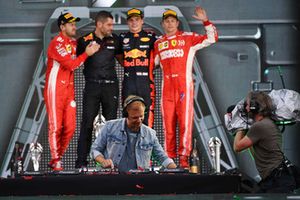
(110,183)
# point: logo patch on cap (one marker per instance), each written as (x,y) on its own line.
(133,11)
(169,13)
(68,15)
(66,18)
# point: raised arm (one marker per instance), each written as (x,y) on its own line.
(211,36)
(200,14)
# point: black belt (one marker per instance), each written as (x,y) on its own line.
(100,81)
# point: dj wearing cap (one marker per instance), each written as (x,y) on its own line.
(137,47)
(175,52)
(127,143)
(59,86)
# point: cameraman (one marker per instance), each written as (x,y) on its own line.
(265,139)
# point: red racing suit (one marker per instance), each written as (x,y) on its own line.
(59,93)
(175,54)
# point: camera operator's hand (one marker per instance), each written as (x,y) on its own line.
(240,132)
(241,141)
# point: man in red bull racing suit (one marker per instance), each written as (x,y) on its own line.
(137,46)
(175,52)
(59,87)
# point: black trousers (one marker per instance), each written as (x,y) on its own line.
(95,94)
(139,86)
(281,180)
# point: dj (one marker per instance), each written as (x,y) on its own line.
(127,143)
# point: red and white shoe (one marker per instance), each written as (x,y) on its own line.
(56,165)
(184,162)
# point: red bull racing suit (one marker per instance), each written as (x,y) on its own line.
(175,54)
(59,93)
(138,69)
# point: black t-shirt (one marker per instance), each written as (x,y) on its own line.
(101,65)
(267,140)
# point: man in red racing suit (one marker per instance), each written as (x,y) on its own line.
(175,52)
(59,87)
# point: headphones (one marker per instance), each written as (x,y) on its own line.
(254,107)
(129,100)
(260,103)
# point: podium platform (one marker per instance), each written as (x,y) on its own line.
(119,184)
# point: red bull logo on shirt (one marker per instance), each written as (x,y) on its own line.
(88,37)
(135,53)
(136,62)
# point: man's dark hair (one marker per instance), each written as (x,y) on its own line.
(102,16)
(261,103)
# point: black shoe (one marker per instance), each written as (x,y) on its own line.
(80,164)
